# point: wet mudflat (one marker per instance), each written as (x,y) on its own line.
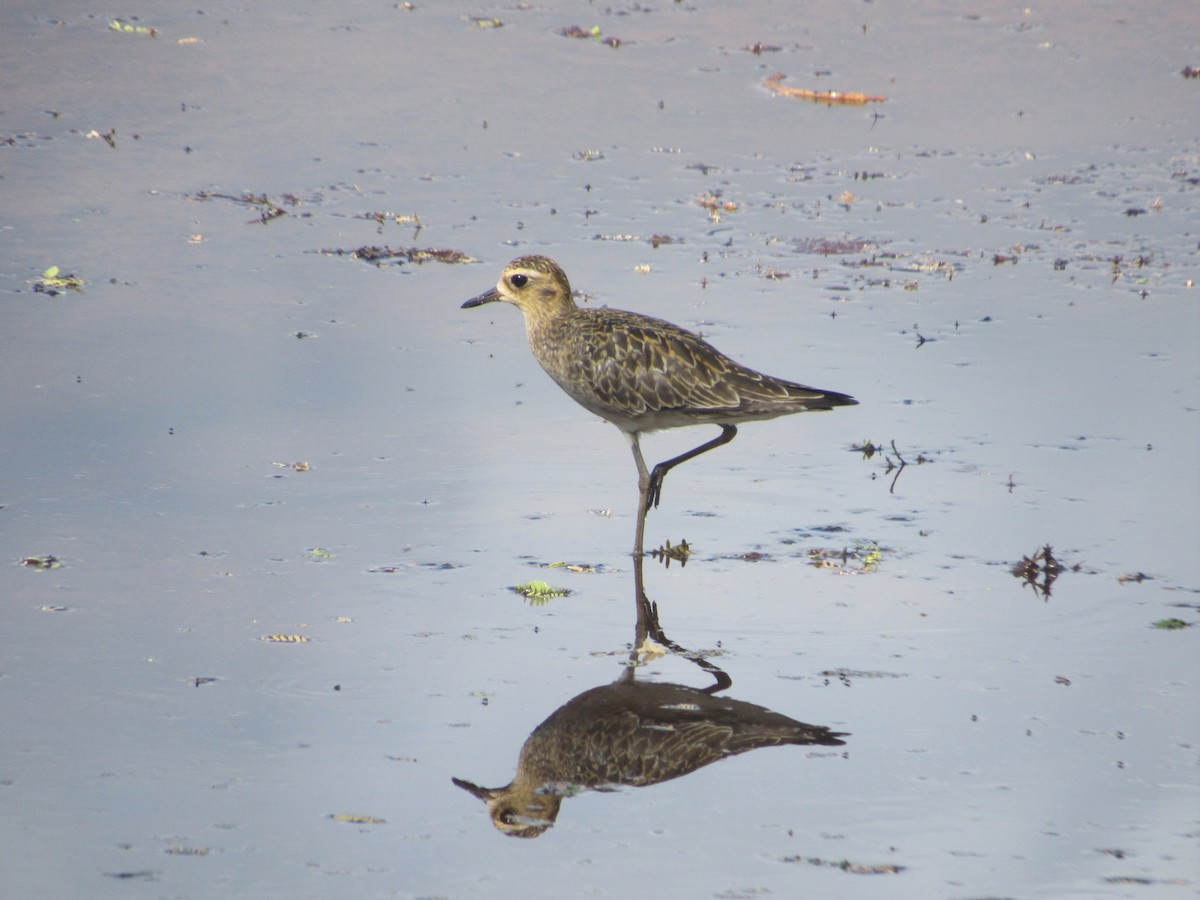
(265,489)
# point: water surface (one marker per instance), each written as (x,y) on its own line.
(999,261)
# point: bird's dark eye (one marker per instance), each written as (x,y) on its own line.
(519,280)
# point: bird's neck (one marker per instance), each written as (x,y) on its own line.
(544,318)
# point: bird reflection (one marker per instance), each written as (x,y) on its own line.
(634,733)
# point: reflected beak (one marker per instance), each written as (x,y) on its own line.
(486,297)
(484,794)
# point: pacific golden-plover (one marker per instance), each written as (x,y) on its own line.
(642,373)
(632,733)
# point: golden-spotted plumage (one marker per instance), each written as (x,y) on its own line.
(639,372)
(634,733)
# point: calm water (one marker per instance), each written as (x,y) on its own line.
(1000,262)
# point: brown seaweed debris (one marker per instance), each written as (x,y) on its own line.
(269,209)
(830,98)
(1039,571)
(833,246)
(576,31)
(381,256)
(681,553)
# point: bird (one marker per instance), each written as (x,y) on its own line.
(632,733)
(642,373)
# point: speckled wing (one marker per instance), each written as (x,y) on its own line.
(641,368)
(640,733)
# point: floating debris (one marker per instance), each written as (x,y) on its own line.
(847,866)
(109,137)
(1172,624)
(270,209)
(753,556)
(284,638)
(539,592)
(41,562)
(869,448)
(298,466)
(930,265)
(142,875)
(829,98)
(576,31)
(54,282)
(1042,565)
(715,205)
(356,819)
(833,246)
(381,256)
(1133,577)
(611,237)
(649,651)
(398,218)
(570,567)
(176,850)
(864,557)
(845,675)
(125,27)
(681,553)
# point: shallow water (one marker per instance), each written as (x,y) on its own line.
(998,262)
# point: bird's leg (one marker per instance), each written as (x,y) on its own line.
(643,487)
(654,492)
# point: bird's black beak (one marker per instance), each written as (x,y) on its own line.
(486,297)
(484,794)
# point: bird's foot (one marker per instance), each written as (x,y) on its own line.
(654,488)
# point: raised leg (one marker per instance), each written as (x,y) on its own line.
(653,492)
